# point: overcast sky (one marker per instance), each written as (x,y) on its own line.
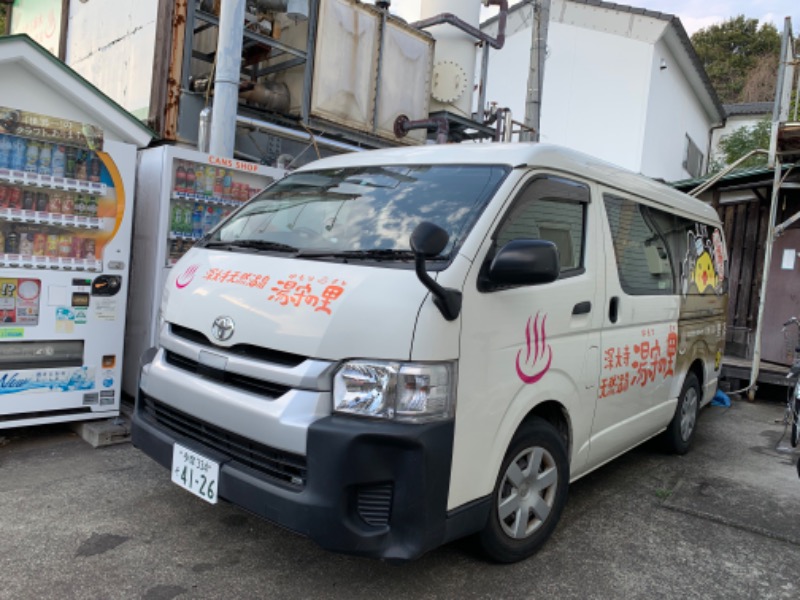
(694,14)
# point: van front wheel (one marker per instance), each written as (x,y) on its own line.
(529,495)
(678,436)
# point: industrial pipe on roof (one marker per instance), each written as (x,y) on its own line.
(451,19)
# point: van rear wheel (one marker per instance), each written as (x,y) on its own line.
(529,495)
(678,436)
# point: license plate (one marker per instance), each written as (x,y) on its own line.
(195,473)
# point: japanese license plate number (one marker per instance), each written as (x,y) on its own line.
(195,473)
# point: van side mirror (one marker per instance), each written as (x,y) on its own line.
(525,262)
(427,241)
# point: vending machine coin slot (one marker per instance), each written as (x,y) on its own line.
(106,285)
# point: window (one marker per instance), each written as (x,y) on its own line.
(693,158)
(643,261)
(553,209)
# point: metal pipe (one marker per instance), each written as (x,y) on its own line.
(204,129)
(451,19)
(402,125)
(776,189)
(508,127)
(301,136)
(704,186)
(483,83)
(226,80)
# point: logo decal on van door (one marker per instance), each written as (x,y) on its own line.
(538,353)
(186,277)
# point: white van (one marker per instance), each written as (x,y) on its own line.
(389,350)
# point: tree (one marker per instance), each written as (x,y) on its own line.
(735,51)
(3,10)
(735,145)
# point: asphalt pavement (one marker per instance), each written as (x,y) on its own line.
(107,523)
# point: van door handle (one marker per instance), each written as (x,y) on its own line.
(582,308)
(613,309)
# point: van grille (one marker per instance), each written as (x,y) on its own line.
(286,359)
(374,504)
(277,465)
(243,382)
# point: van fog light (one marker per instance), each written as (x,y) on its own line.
(408,392)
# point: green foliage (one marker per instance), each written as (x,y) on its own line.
(735,145)
(730,50)
(3,10)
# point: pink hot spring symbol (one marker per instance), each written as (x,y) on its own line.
(186,277)
(538,353)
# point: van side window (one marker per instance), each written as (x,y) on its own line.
(553,209)
(643,260)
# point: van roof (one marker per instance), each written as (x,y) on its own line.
(546,156)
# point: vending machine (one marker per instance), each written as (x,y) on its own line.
(65,227)
(182,194)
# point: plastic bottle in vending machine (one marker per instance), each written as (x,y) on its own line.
(70,160)
(26,243)
(12,241)
(80,206)
(5,151)
(59,160)
(94,168)
(190,179)
(28,200)
(208,220)
(180,178)
(176,221)
(197,221)
(19,153)
(45,159)
(227,184)
(218,183)
(200,180)
(211,177)
(3,196)
(90,206)
(42,202)
(32,157)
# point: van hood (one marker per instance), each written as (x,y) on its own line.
(315,309)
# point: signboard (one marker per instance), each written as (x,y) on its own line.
(43,128)
(41,20)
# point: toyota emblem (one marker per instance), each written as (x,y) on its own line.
(223,328)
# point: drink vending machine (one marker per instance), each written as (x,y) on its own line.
(182,194)
(65,224)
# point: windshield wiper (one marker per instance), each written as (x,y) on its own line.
(250,245)
(374,254)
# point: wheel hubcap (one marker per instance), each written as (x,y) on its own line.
(527,492)
(688,413)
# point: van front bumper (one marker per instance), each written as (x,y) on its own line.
(368,488)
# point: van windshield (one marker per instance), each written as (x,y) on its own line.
(360,212)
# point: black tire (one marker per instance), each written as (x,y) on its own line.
(795,426)
(532,505)
(680,433)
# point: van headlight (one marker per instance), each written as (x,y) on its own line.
(408,392)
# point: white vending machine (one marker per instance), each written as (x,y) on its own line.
(182,194)
(66,211)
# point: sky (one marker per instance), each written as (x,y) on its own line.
(694,14)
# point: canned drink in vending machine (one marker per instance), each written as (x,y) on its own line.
(68,204)
(77,246)
(51,249)
(54,205)
(28,200)
(26,243)
(14,198)
(42,202)
(3,196)
(89,248)
(65,245)
(39,244)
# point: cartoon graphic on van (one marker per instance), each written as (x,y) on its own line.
(540,348)
(704,276)
(704,264)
